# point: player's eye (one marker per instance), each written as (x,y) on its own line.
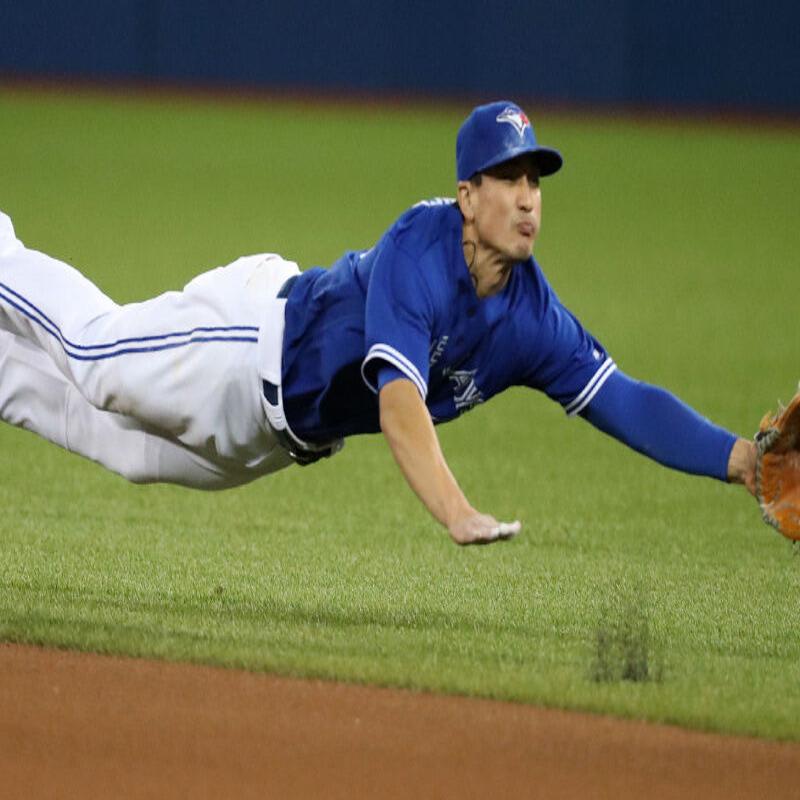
(510,175)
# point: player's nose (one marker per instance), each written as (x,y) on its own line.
(525,194)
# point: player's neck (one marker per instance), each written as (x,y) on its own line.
(488,267)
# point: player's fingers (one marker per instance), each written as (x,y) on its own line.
(489,530)
(507,530)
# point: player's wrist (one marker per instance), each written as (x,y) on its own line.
(457,510)
(742,464)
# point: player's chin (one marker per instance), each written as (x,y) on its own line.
(522,247)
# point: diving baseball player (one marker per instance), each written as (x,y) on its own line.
(255,366)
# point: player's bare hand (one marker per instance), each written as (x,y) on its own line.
(482,529)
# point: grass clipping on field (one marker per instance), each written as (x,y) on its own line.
(623,647)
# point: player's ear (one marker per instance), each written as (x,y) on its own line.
(464,197)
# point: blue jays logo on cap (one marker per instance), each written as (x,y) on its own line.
(498,132)
(516,117)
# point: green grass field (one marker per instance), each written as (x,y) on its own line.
(677,246)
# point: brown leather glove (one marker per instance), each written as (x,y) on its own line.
(778,469)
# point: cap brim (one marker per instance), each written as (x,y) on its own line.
(548,160)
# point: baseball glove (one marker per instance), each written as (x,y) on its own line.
(778,469)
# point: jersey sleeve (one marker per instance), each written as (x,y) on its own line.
(657,424)
(399,317)
(566,361)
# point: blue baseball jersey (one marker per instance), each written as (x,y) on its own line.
(409,304)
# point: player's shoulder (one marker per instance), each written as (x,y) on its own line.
(426,224)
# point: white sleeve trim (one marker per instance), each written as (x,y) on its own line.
(396,359)
(592,388)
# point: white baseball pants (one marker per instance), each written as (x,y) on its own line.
(166,390)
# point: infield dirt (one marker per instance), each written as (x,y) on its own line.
(78,725)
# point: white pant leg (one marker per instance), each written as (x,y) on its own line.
(182,365)
(35,396)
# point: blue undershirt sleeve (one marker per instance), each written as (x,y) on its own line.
(659,425)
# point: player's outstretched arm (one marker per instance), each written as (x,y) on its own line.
(659,425)
(408,428)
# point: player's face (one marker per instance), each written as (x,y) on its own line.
(507,208)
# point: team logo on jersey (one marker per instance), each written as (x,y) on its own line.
(516,118)
(466,394)
(437,349)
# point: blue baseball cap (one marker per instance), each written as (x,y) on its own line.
(498,132)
